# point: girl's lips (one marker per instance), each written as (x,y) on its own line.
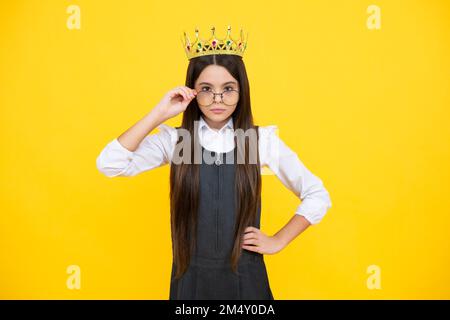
(217,110)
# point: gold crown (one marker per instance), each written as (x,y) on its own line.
(213,45)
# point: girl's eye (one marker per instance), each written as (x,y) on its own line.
(226,88)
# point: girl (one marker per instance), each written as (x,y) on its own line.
(215,206)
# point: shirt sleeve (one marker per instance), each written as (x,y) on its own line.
(154,151)
(290,170)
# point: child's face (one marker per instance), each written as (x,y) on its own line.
(217,79)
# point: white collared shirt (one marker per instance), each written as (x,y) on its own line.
(221,140)
(156,150)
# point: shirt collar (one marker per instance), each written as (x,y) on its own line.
(203,124)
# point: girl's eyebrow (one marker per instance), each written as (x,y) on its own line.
(232,82)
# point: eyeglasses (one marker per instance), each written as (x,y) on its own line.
(228,97)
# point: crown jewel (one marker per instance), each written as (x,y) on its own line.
(201,47)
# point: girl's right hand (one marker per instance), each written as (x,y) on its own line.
(175,101)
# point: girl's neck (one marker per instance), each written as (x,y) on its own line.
(216,126)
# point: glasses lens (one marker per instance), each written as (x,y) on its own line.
(230,97)
(205,98)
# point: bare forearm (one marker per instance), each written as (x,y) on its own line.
(133,136)
(296,225)
(173,103)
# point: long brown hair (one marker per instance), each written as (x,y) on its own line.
(184,177)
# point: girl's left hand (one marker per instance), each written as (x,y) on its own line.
(255,240)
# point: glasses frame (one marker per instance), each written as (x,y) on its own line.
(214,97)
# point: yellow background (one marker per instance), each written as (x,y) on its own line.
(366,110)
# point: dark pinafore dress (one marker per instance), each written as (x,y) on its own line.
(209,275)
